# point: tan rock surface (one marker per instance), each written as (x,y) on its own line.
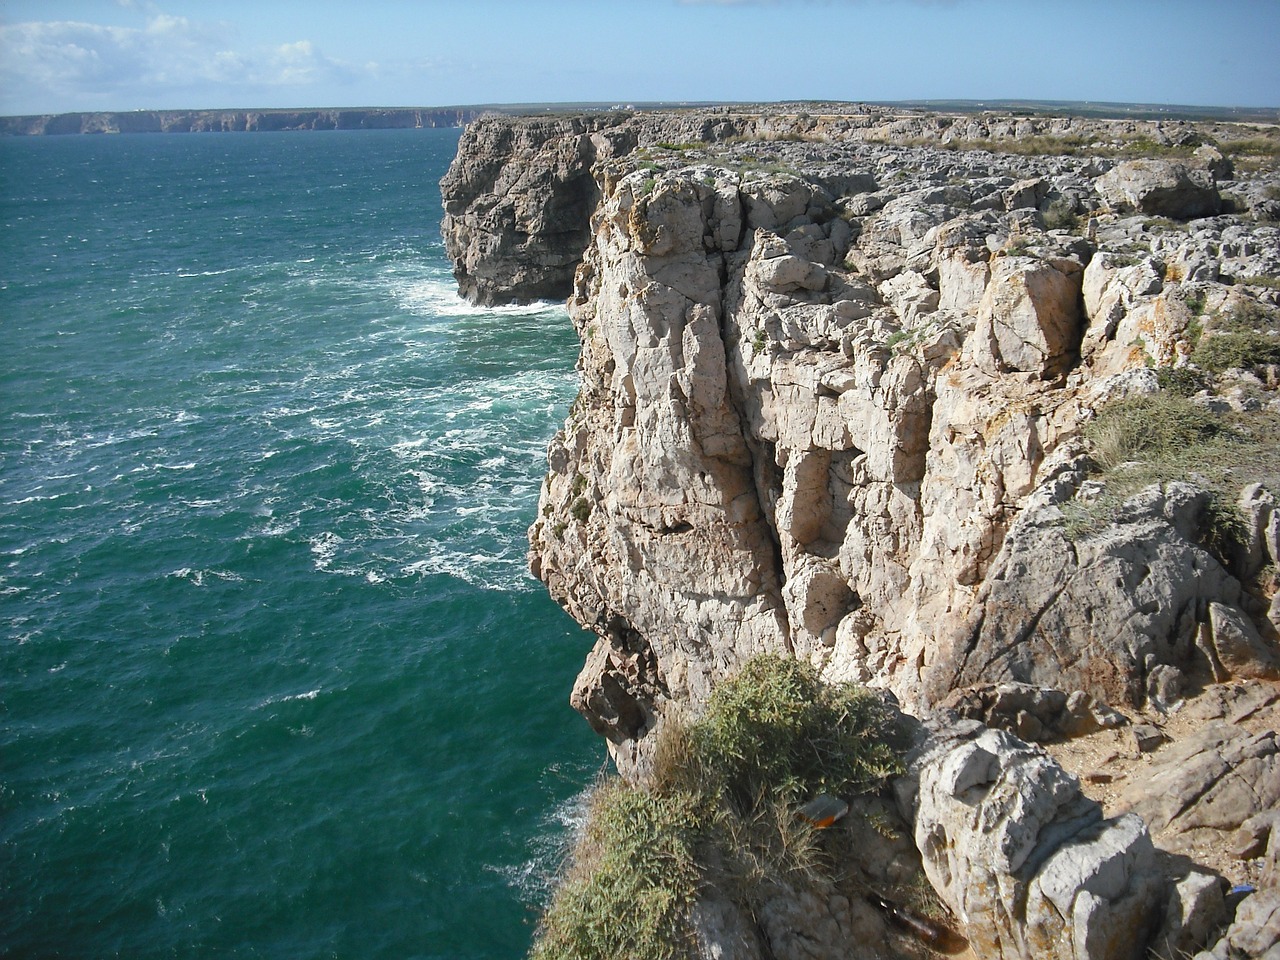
(832,404)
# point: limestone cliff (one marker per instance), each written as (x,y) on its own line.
(836,380)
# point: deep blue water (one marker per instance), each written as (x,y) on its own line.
(274,681)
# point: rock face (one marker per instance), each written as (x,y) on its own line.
(1101,614)
(1023,857)
(833,400)
(515,229)
(1160,188)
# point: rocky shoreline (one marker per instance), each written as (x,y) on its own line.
(885,391)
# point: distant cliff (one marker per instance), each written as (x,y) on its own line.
(228,121)
(980,410)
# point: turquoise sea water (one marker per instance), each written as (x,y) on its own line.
(274,681)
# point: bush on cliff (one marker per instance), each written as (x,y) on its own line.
(719,811)
(775,731)
(1166,436)
(633,876)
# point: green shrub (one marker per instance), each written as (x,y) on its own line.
(1150,428)
(776,731)
(1181,381)
(1147,147)
(1272,283)
(1165,437)
(898,338)
(719,811)
(1061,215)
(759,342)
(1243,338)
(1252,147)
(1222,530)
(1230,350)
(634,875)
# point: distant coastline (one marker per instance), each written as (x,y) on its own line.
(233,121)
(384,118)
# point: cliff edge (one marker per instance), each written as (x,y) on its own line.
(981,411)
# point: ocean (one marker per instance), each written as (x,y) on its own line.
(274,681)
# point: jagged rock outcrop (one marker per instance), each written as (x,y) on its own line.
(833,402)
(518,201)
(850,470)
(1022,857)
(1103,613)
(1161,188)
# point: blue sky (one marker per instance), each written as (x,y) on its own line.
(63,55)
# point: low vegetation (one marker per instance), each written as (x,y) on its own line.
(634,874)
(718,812)
(1155,430)
(1061,215)
(1244,338)
(1252,147)
(1165,437)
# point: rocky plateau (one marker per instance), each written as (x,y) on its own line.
(849,383)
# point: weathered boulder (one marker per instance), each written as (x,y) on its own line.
(1100,612)
(1204,788)
(1160,188)
(1196,909)
(1029,319)
(1254,933)
(1032,713)
(1021,856)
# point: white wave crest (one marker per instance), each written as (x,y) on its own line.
(324,548)
(437,297)
(197,577)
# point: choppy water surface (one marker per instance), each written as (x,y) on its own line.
(275,680)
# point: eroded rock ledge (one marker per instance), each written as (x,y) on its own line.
(835,378)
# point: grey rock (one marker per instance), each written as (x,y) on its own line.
(1165,685)
(1212,159)
(1146,737)
(1256,834)
(1029,318)
(1237,648)
(1160,188)
(1207,785)
(1129,597)
(1196,909)
(1032,713)
(517,206)
(1254,933)
(1022,856)
(1258,509)
(723,930)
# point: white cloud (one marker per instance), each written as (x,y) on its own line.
(52,66)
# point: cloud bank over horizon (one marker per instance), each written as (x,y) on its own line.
(176,55)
